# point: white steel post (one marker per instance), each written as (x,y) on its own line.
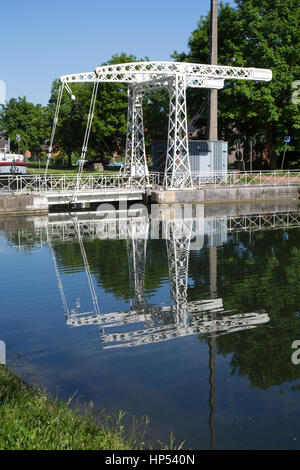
(137,236)
(135,153)
(178,248)
(177,169)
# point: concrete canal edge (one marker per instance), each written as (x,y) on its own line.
(37,203)
(224,194)
(11,204)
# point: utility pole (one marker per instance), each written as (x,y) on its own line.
(212,345)
(212,135)
(212,124)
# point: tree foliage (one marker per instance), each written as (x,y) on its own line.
(254,33)
(108,132)
(30,121)
(257,33)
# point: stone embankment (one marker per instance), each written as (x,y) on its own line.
(222,194)
(23,204)
(37,203)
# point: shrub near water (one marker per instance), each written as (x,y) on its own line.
(30,419)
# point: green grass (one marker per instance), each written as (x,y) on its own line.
(51,171)
(33,420)
(71,172)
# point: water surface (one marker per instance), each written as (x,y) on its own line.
(194,330)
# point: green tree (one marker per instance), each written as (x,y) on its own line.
(261,273)
(108,132)
(28,120)
(257,33)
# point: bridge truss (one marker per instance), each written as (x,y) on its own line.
(142,78)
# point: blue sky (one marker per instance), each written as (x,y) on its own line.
(43,39)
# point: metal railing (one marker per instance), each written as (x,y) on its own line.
(70,183)
(243,178)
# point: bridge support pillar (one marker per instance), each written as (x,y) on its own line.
(177,170)
(135,153)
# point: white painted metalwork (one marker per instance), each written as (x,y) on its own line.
(242,178)
(176,76)
(177,161)
(57,108)
(180,318)
(57,274)
(60,183)
(86,139)
(135,154)
(87,268)
(74,312)
(200,324)
(134,72)
(154,323)
(60,227)
(178,248)
(137,237)
(268,221)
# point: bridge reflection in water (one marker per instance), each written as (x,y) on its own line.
(144,323)
(183,233)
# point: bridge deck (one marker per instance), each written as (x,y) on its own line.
(95,195)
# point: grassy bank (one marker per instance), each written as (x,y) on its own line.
(71,172)
(52,171)
(30,419)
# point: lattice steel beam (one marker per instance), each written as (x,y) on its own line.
(224,324)
(135,153)
(136,253)
(177,170)
(178,246)
(191,81)
(135,72)
(142,71)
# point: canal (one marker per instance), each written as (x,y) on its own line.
(189,320)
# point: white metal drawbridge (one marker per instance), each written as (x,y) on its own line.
(142,78)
